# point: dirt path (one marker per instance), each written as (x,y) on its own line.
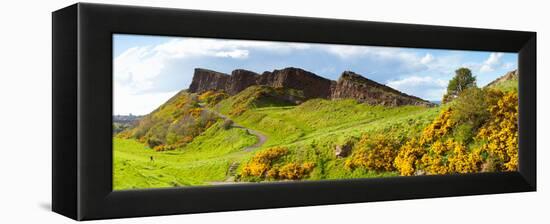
(232,170)
(261,137)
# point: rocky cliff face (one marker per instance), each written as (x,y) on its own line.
(312,85)
(352,85)
(508,76)
(349,85)
(241,79)
(204,79)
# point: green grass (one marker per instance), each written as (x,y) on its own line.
(206,159)
(506,86)
(310,131)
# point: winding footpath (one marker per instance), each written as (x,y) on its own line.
(231,171)
(261,137)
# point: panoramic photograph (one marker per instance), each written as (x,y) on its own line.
(200,111)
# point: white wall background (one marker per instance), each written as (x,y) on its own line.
(25,114)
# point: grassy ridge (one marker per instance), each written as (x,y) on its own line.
(205,159)
(506,86)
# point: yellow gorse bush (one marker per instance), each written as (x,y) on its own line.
(262,161)
(462,161)
(435,161)
(408,157)
(436,152)
(374,153)
(212,97)
(416,153)
(501,132)
(438,128)
(450,157)
(196,112)
(262,166)
(292,171)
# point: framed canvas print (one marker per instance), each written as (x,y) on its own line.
(168,111)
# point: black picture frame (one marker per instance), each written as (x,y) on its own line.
(82,110)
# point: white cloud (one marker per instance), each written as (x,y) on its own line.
(400,60)
(427,58)
(347,51)
(425,87)
(136,71)
(139,66)
(126,102)
(491,62)
(238,53)
(509,65)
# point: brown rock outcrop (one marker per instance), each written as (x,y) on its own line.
(355,86)
(240,79)
(349,85)
(204,80)
(508,76)
(312,85)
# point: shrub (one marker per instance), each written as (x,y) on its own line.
(262,161)
(262,166)
(408,158)
(160,148)
(501,132)
(450,157)
(464,133)
(196,112)
(374,153)
(211,98)
(462,161)
(442,146)
(152,142)
(438,128)
(125,134)
(295,171)
(171,138)
(429,154)
(471,107)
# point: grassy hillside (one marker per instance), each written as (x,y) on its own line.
(506,86)
(268,134)
(311,131)
(174,124)
(206,159)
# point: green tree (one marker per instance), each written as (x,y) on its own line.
(462,80)
(471,107)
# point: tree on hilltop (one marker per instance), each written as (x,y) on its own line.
(462,80)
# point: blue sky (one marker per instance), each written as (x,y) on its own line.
(150,69)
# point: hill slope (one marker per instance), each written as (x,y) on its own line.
(212,137)
(507,82)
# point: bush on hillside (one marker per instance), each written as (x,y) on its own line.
(471,107)
(212,98)
(153,142)
(445,146)
(501,132)
(262,161)
(264,166)
(374,153)
(294,171)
